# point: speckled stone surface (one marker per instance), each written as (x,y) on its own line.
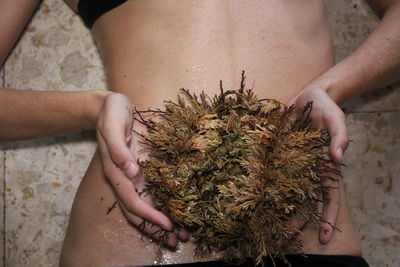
(373,182)
(373,158)
(351,22)
(41,176)
(41,180)
(55,53)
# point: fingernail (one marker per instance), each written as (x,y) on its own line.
(325,235)
(183,234)
(327,229)
(131,170)
(172,240)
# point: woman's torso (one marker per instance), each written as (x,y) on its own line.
(152,48)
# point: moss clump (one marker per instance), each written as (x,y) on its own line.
(236,170)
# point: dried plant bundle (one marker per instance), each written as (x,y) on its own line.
(236,170)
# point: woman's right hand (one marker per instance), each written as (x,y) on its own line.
(114,133)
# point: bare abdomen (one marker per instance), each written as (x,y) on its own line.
(153,48)
(157,48)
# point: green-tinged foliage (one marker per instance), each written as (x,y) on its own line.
(236,170)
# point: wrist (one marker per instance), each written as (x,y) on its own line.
(94,104)
(342,81)
(331,86)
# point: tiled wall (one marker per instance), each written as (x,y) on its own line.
(41,176)
(373,158)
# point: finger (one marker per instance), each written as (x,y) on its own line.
(336,126)
(182,234)
(330,210)
(169,238)
(126,192)
(119,152)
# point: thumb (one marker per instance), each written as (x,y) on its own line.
(120,153)
(336,126)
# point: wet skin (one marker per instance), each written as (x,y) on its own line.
(150,50)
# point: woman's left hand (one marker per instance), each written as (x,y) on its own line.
(326,114)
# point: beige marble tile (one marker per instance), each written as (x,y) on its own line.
(55,53)
(373,182)
(373,158)
(42,177)
(351,22)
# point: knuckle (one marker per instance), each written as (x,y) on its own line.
(109,177)
(346,139)
(100,122)
(341,114)
(116,158)
(131,207)
(346,142)
(108,172)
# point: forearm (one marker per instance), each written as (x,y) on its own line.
(14,14)
(27,114)
(375,64)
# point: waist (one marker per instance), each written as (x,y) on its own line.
(148,86)
(151,49)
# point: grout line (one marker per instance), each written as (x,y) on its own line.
(3,82)
(4,207)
